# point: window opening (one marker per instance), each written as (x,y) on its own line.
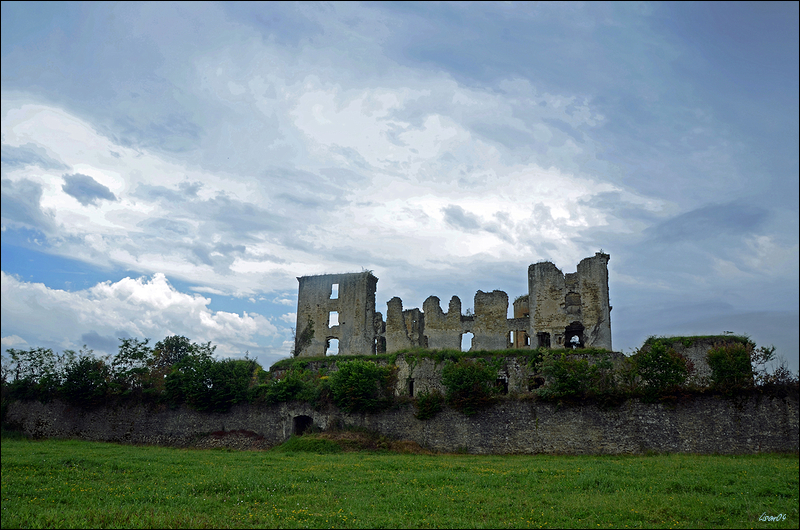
(334,291)
(573,335)
(332,347)
(511,338)
(466,341)
(502,384)
(411,387)
(544,339)
(333,319)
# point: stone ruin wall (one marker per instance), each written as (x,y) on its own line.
(706,425)
(352,302)
(556,308)
(570,305)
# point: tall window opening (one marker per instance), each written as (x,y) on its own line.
(411,387)
(466,341)
(544,339)
(332,347)
(333,319)
(334,291)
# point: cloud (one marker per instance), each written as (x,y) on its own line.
(21,205)
(139,307)
(460,219)
(86,189)
(29,154)
(710,222)
(13,341)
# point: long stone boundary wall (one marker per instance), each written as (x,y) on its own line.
(706,424)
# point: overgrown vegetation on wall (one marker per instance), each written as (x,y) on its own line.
(176,371)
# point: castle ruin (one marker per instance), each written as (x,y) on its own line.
(559,311)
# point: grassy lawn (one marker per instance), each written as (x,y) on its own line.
(62,484)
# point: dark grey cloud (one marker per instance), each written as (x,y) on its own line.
(95,341)
(236,215)
(711,221)
(86,189)
(457,217)
(21,204)
(29,154)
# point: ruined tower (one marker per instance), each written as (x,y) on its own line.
(337,308)
(570,309)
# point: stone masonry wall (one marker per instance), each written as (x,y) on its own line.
(354,304)
(704,425)
(559,301)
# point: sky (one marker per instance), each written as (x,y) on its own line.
(172,168)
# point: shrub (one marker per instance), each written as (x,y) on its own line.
(129,366)
(289,388)
(428,404)
(661,369)
(470,385)
(206,384)
(731,368)
(566,377)
(86,381)
(36,373)
(361,386)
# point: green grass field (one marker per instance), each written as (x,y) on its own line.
(70,484)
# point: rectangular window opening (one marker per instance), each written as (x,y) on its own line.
(333,319)
(335,291)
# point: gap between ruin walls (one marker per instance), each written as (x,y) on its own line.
(703,425)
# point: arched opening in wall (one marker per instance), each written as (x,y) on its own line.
(332,346)
(301,424)
(466,341)
(543,339)
(573,335)
(333,319)
(334,291)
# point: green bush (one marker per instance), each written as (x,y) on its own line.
(731,368)
(129,366)
(428,404)
(361,386)
(86,381)
(36,373)
(206,384)
(566,377)
(661,369)
(293,386)
(469,384)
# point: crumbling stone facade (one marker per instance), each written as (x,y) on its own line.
(337,307)
(570,309)
(559,311)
